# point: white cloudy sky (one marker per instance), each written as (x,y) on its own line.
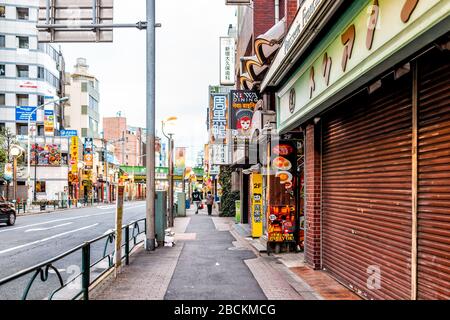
(187,59)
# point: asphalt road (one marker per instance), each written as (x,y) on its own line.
(37,238)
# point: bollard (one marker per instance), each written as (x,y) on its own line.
(85,269)
(127,245)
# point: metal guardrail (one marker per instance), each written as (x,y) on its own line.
(42,269)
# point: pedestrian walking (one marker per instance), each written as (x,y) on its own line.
(209,202)
(197,198)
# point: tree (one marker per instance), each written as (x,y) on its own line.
(7,139)
(228,207)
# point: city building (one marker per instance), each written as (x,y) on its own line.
(82,110)
(129,142)
(32,74)
(359,148)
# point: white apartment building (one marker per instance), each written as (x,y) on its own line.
(30,75)
(29,72)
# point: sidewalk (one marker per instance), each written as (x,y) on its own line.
(209,261)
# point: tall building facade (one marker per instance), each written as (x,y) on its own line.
(82,110)
(30,72)
(131,150)
(31,75)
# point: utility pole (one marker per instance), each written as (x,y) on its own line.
(170,180)
(150,152)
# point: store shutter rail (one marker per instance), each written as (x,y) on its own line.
(434,178)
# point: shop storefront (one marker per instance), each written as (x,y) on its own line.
(373,103)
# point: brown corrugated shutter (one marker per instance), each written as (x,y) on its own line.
(366,196)
(434,178)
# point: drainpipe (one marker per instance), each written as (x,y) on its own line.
(277,11)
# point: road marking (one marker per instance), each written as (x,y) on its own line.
(56,220)
(46,239)
(43,229)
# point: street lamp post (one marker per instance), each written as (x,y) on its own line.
(15,151)
(29,193)
(169,136)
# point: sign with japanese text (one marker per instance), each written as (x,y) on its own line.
(49,121)
(88,153)
(242,105)
(219,154)
(74,155)
(227,61)
(23,113)
(68,133)
(257,204)
(218,116)
(353,51)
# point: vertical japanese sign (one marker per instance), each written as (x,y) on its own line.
(180,160)
(218,116)
(227,60)
(49,117)
(74,155)
(88,152)
(257,218)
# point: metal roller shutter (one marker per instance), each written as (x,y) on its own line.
(366,191)
(434,178)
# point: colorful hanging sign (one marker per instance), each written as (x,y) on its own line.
(257,215)
(74,155)
(88,153)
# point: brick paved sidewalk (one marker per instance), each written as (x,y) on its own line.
(211,260)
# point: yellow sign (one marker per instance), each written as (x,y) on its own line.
(74,154)
(257,214)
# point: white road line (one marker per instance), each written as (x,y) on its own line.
(53,227)
(65,219)
(46,239)
(56,220)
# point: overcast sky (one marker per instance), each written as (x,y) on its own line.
(187,59)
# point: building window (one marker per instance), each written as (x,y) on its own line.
(2,70)
(22,13)
(41,100)
(2,41)
(83,87)
(40,187)
(2,11)
(84,109)
(2,99)
(22,129)
(22,71)
(22,100)
(22,42)
(40,130)
(84,132)
(41,73)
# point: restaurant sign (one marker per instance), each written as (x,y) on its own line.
(367,34)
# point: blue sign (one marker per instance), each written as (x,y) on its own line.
(23,113)
(48,112)
(69,133)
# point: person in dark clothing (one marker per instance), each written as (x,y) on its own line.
(209,202)
(197,198)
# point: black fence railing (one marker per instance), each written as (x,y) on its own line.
(79,282)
